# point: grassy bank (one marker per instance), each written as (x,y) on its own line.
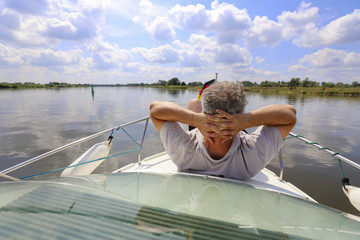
(319,91)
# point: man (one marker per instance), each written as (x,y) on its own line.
(217,146)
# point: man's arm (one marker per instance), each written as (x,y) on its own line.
(161,112)
(283,117)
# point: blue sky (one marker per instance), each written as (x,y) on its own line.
(129,41)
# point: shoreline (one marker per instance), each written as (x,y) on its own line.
(313,91)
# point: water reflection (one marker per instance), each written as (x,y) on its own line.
(292,99)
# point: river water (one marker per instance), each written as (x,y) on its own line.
(33,121)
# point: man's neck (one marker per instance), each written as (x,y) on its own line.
(218,150)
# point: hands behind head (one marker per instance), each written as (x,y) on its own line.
(221,125)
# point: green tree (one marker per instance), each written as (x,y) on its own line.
(294,82)
(173,81)
(330,84)
(355,84)
(284,84)
(306,82)
(248,84)
(266,84)
(161,83)
(193,84)
(340,85)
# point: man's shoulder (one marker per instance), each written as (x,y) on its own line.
(170,125)
(175,128)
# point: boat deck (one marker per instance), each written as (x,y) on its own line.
(266,179)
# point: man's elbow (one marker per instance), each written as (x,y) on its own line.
(292,114)
(153,108)
(293,110)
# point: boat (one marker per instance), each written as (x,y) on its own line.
(151,199)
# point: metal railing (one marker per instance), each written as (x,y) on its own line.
(4,173)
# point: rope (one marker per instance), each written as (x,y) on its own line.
(130,137)
(295,136)
(115,155)
(118,128)
(111,132)
(341,169)
(59,169)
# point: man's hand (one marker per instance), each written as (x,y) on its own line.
(224,125)
(202,123)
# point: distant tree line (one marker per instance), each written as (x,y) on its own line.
(38,85)
(293,83)
(176,82)
(164,83)
(297,82)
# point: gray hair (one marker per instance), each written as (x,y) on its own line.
(227,96)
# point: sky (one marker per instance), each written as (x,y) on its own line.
(134,41)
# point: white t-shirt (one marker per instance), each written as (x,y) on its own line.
(187,150)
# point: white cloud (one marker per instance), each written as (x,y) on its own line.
(200,50)
(162,54)
(264,32)
(78,22)
(14,57)
(60,29)
(132,67)
(161,29)
(331,58)
(226,20)
(45,23)
(330,65)
(48,58)
(343,30)
(295,23)
(190,59)
(155,21)
(231,54)
(9,56)
(297,68)
(229,24)
(107,56)
(190,17)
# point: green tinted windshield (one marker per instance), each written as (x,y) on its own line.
(153,206)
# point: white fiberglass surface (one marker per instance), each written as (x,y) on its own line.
(149,205)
